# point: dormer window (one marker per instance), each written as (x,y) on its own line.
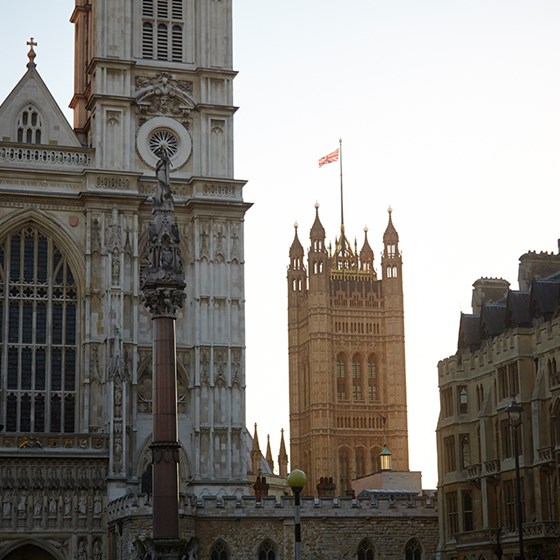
(162,30)
(29,126)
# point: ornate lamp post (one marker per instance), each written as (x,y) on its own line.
(163,291)
(296,481)
(514,411)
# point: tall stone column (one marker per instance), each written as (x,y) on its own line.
(163,289)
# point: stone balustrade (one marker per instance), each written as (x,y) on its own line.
(492,468)
(46,155)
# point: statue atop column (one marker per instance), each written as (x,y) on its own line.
(163,200)
(163,279)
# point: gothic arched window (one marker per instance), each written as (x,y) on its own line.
(360,462)
(341,377)
(267,550)
(38,347)
(344,469)
(366,550)
(162,28)
(372,378)
(553,372)
(147,481)
(29,126)
(219,551)
(357,378)
(413,550)
(555,423)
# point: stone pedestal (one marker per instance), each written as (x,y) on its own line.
(166,549)
(169,549)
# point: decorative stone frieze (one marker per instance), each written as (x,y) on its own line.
(162,95)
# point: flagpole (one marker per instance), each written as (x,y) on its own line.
(341,196)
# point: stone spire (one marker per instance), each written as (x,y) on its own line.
(317,232)
(366,254)
(269,454)
(296,250)
(390,236)
(282,458)
(256,453)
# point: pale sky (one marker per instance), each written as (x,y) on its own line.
(449,113)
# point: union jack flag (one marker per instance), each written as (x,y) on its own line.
(329,158)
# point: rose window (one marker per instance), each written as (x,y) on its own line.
(163,140)
(167,135)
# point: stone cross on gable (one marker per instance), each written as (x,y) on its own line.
(31,54)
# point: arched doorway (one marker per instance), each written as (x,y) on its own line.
(29,552)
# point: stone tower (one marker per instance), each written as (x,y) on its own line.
(346,357)
(157,74)
(75,205)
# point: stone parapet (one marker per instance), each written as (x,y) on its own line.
(48,156)
(248,506)
(500,348)
(494,351)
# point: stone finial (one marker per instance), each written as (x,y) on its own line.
(31,54)
(269,454)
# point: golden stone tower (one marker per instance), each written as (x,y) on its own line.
(346,358)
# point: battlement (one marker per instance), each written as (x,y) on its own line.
(382,505)
(500,348)
(540,254)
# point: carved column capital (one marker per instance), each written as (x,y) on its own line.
(164,301)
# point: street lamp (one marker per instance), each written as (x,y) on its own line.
(514,411)
(296,481)
(385,459)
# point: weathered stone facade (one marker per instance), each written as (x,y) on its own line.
(346,358)
(508,351)
(331,529)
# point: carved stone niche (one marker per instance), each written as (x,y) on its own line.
(162,95)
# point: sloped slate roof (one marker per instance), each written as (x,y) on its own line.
(545,297)
(518,309)
(518,313)
(492,319)
(469,332)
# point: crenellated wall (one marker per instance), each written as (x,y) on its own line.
(331,528)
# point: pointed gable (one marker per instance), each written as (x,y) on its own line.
(30,115)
